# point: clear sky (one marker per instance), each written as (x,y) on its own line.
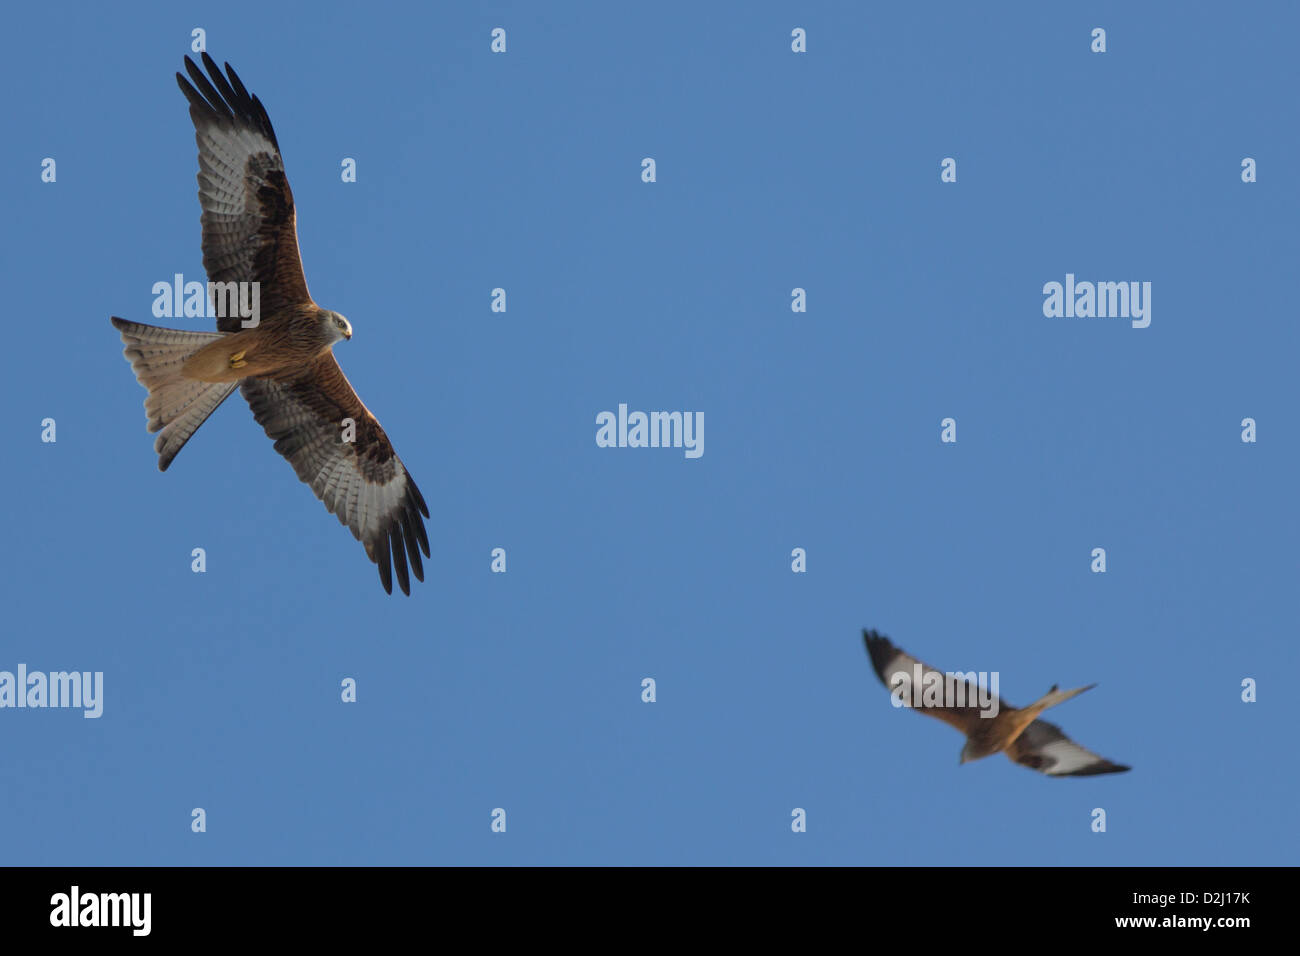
(774,171)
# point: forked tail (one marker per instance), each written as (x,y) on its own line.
(1054,697)
(176,405)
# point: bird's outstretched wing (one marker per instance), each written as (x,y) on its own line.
(896,669)
(250,231)
(1042,746)
(361,480)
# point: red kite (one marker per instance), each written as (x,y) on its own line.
(1014,731)
(282,357)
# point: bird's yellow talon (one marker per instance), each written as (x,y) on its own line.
(237,360)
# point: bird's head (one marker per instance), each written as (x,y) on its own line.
(336,326)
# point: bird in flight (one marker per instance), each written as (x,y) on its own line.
(280,356)
(1015,731)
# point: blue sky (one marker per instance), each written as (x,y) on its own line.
(775,171)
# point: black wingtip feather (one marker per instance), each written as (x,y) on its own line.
(399,558)
(199,108)
(880,648)
(409,539)
(423,536)
(223,87)
(413,493)
(385,568)
(415,533)
(238,84)
(224,98)
(1096,769)
(216,104)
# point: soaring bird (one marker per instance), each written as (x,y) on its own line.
(280,353)
(1017,732)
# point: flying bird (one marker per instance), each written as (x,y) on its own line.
(281,357)
(1015,731)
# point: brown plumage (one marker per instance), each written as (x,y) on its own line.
(1015,731)
(283,361)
